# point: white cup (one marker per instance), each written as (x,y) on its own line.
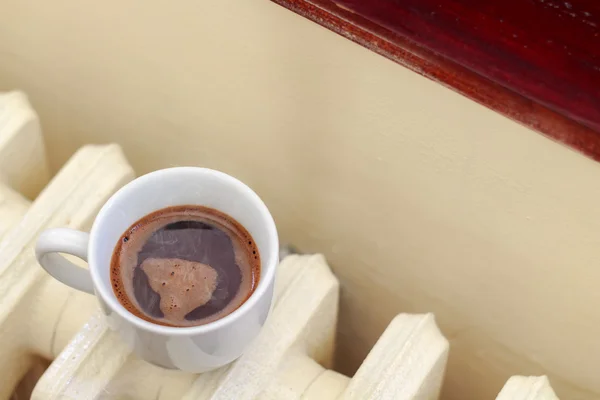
(193,349)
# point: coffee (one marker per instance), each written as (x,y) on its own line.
(184,266)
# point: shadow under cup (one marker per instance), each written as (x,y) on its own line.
(197,348)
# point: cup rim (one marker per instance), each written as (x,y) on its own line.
(267,271)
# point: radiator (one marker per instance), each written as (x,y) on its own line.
(56,345)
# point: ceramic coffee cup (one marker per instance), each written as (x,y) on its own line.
(193,349)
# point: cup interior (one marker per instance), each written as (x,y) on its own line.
(174,187)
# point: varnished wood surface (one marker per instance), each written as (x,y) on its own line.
(535,61)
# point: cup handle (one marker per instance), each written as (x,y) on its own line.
(69,241)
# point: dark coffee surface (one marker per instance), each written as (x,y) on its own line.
(184,266)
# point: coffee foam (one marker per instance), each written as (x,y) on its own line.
(182,285)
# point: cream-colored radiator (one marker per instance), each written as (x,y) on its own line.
(42,319)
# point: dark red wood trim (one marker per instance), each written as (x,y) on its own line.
(535,61)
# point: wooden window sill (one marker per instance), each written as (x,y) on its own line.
(535,61)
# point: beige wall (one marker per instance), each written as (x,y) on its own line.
(421,199)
